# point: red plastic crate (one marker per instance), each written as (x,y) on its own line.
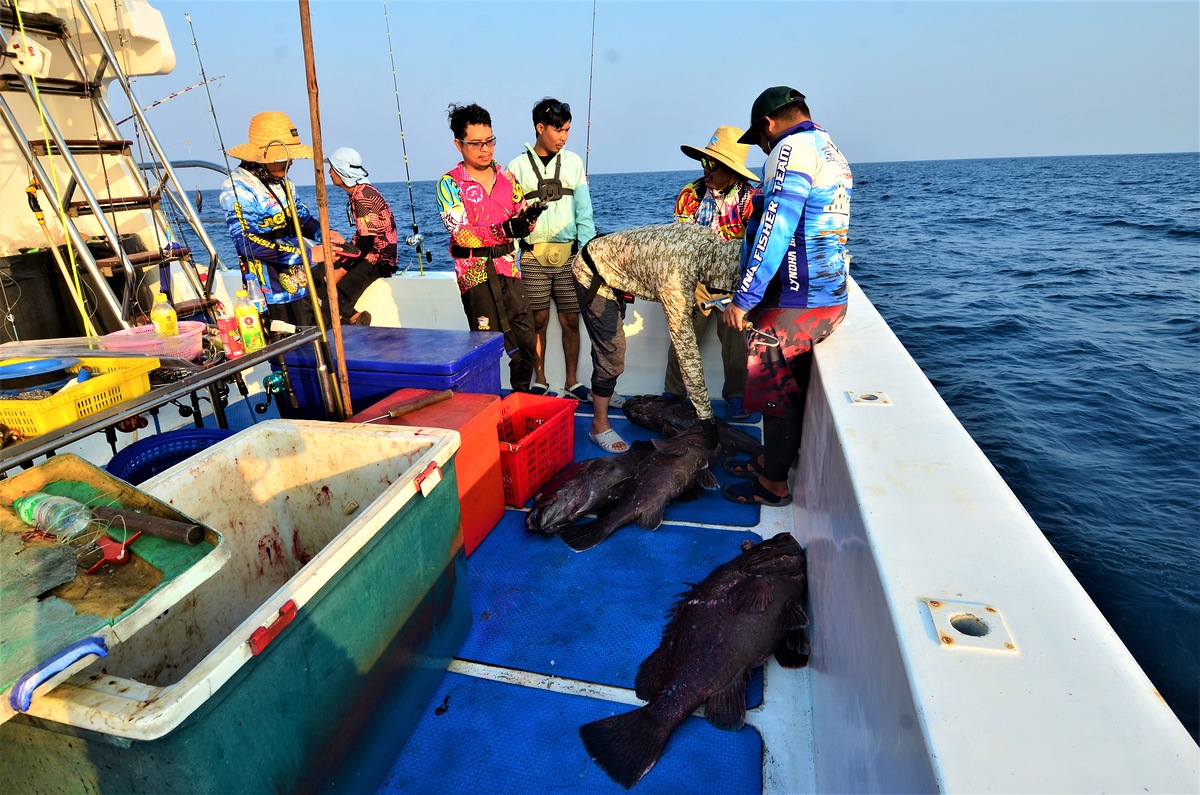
(537,439)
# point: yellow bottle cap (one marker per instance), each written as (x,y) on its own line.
(242,293)
(160,296)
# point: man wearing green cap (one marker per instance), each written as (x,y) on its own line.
(793,284)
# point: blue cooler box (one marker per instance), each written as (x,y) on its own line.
(381,360)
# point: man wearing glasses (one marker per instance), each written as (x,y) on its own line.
(720,200)
(556,177)
(485,212)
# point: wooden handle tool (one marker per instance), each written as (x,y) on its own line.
(414,404)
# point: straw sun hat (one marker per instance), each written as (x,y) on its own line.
(273,139)
(723,147)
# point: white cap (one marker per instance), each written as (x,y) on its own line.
(347,163)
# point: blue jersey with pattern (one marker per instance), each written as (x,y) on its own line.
(795,252)
(264,234)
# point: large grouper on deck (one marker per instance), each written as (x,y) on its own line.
(717,633)
(584,486)
(671,417)
(677,468)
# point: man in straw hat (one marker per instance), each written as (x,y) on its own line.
(720,200)
(793,282)
(255,199)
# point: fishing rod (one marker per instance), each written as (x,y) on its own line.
(416,239)
(243,260)
(243,256)
(177,93)
(587,141)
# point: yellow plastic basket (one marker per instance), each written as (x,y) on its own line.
(113,381)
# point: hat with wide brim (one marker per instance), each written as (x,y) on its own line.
(765,104)
(724,147)
(273,139)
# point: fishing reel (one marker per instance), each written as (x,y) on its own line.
(273,384)
(417,241)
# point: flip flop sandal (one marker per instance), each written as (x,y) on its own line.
(608,441)
(580,393)
(616,401)
(538,389)
(363,319)
(752,493)
(742,469)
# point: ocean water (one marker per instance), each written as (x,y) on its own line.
(1055,305)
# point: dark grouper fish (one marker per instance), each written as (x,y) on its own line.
(676,467)
(720,630)
(583,487)
(671,418)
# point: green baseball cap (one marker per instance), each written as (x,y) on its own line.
(767,103)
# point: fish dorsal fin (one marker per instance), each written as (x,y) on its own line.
(726,708)
(752,595)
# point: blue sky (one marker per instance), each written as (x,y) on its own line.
(890,81)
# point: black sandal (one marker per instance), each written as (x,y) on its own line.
(742,469)
(752,493)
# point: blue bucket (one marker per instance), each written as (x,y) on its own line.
(147,457)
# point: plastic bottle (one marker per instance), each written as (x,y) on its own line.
(248,323)
(255,294)
(163,316)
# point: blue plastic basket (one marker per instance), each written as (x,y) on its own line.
(145,458)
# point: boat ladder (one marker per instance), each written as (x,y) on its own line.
(115,237)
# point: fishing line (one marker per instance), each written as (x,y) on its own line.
(587,141)
(416,240)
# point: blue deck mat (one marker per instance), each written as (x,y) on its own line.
(531,610)
(710,509)
(482,736)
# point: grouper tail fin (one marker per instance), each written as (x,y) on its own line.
(625,746)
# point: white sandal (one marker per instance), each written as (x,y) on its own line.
(608,441)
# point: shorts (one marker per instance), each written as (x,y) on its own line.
(777,377)
(541,282)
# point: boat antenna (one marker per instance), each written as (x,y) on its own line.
(587,141)
(416,239)
(243,262)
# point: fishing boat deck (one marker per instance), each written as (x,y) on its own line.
(556,641)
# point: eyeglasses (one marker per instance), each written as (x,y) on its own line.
(709,164)
(479,146)
(559,109)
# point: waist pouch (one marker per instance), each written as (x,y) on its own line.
(551,255)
